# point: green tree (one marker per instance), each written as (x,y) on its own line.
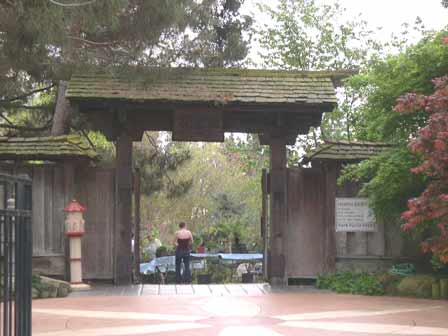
(306,35)
(248,152)
(222,34)
(156,159)
(223,199)
(43,42)
(387,179)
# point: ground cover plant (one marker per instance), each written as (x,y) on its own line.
(352,283)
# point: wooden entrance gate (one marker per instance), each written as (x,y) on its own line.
(96,189)
(305,248)
(308,244)
(201,105)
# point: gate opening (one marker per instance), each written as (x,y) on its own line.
(222,208)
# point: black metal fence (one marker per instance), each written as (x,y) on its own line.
(15,256)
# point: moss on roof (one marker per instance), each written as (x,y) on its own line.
(345,151)
(46,148)
(208,85)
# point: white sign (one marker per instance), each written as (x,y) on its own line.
(354,215)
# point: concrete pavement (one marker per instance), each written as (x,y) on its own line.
(189,290)
(261,314)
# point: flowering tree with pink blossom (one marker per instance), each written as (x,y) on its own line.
(431,144)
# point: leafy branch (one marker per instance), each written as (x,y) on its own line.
(25,95)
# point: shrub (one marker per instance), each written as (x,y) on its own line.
(163,251)
(390,282)
(417,286)
(353,283)
(220,272)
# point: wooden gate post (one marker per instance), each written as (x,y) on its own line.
(137,219)
(330,173)
(123,218)
(69,193)
(278,205)
(264,220)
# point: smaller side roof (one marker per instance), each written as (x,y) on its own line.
(52,148)
(345,151)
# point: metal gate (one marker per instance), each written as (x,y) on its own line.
(15,256)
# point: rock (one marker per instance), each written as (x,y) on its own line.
(55,283)
(44,294)
(44,287)
(53,292)
(63,292)
(436,291)
(444,288)
(417,285)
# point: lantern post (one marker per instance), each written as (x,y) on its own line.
(74,230)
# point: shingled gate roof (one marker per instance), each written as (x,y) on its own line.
(345,151)
(218,86)
(46,148)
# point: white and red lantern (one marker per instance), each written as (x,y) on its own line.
(74,230)
(74,222)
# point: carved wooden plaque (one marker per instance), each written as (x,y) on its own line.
(198,125)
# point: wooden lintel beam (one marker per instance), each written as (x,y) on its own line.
(113,117)
(86,106)
(288,136)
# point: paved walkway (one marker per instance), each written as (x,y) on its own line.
(189,290)
(260,314)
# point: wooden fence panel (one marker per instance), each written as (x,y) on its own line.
(38,212)
(58,205)
(95,188)
(48,214)
(49,236)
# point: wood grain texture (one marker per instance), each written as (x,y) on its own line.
(123,209)
(96,190)
(305,233)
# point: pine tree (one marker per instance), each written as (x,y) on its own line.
(42,42)
(222,34)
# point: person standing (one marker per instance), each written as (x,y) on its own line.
(183,242)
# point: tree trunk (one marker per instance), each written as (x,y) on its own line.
(62,112)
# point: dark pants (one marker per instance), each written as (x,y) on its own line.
(183,256)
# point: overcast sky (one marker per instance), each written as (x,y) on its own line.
(388,14)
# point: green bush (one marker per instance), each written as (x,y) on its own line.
(439,267)
(38,284)
(353,283)
(417,286)
(163,251)
(220,272)
(390,282)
